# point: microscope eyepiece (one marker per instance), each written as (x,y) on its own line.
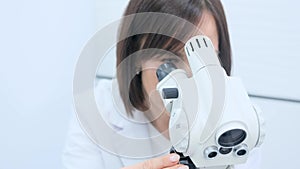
(164,69)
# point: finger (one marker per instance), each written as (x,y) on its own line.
(157,163)
(178,166)
(165,161)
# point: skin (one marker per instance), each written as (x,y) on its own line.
(157,114)
(169,161)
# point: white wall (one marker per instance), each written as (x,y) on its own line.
(265,38)
(40,42)
(280,149)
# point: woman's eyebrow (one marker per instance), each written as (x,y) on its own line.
(165,57)
(159,56)
(178,55)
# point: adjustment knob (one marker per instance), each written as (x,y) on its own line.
(170,93)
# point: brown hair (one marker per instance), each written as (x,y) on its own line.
(131,89)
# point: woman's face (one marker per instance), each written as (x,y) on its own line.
(149,79)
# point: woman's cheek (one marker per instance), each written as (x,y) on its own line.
(149,80)
(153,98)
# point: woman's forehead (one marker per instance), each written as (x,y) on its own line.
(208,27)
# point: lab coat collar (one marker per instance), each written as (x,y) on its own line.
(137,126)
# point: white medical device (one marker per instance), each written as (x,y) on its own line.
(213,123)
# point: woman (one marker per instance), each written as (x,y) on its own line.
(137,80)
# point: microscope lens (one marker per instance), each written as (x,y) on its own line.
(241,152)
(224,151)
(232,138)
(212,154)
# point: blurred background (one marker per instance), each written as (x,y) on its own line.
(41,40)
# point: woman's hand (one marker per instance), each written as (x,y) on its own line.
(169,161)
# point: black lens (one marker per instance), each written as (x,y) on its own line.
(223,150)
(241,152)
(164,69)
(232,138)
(212,154)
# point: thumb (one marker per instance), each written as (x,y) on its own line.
(157,163)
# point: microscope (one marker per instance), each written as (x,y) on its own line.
(213,124)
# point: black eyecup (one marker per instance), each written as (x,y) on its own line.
(164,69)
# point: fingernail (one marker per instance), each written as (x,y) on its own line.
(183,167)
(174,158)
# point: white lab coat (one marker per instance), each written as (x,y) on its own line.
(81,153)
